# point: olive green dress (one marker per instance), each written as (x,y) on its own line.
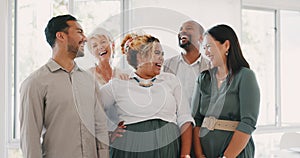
(237,99)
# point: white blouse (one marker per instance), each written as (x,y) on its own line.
(164,100)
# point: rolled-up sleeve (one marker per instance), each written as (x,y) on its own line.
(31,118)
(249,96)
(183,108)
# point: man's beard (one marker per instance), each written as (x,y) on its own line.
(184,45)
(76,50)
(80,53)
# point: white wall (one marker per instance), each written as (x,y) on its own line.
(3,74)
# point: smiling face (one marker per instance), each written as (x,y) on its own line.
(151,62)
(100,47)
(189,34)
(76,39)
(215,51)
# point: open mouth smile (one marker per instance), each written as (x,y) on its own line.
(102,53)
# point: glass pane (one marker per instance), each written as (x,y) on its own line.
(266,145)
(258,44)
(290,24)
(276,145)
(15,153)
(59,7)
(101,13)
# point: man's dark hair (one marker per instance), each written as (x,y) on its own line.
(57,24)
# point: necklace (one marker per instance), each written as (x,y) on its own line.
(145,83)
(221,79)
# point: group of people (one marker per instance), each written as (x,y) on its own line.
(191,105)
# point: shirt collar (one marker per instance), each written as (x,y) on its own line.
(196,62)
(54,66)
(133,74)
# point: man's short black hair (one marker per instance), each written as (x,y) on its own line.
(57,24)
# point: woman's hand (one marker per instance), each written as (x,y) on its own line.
(124,76)
(118,132)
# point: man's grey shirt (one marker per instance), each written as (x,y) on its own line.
(64,109)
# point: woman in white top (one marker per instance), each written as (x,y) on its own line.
(156,115)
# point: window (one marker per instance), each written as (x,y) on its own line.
(270,44)
(289,55)
(258,39)
(263,33)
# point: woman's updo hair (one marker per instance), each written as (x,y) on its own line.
(133,44)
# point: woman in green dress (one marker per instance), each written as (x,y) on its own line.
(226,99)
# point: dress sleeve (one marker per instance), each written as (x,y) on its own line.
(249,96)
(195,104)
(31,118)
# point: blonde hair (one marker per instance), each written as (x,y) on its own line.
(99,31)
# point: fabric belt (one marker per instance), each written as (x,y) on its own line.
(211,123)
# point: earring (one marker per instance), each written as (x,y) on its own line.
(226,53)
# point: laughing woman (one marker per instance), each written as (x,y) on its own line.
(157,118)
(101,45)
(226,98)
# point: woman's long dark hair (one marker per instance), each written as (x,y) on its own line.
(235,58)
